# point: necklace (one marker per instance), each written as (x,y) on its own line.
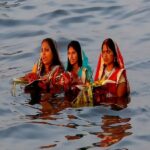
(107,74)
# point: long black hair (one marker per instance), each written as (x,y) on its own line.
(76,46)
(55,59)
(111,45)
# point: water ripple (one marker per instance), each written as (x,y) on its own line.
(77,19)
(11,22)
(29,7)
(8,5)
(143,137)
(144,38)
(137,12)
(144,64)
(89,9)
(53,15)
(12,53)
(23,34)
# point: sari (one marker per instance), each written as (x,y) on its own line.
(45,82)
(74,83)
(115,77)
(85,72)
(102,89)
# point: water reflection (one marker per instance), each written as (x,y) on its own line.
(48,146)
(114,130)
(54,105)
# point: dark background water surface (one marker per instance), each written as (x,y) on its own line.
(23,25)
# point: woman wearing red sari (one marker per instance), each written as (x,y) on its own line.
(111,71)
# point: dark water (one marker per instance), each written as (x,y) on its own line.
(24,23)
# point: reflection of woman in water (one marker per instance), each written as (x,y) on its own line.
(111,71)
(114,129)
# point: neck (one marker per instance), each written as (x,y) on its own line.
(109,67)
(75,68)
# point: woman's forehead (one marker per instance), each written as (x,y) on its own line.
(71,49)
(105,48)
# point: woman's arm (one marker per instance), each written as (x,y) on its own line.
(122,89)
(122,86)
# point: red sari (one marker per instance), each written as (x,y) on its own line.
(45,82)
(113,80)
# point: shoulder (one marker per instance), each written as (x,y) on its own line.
(118,71)
(122,79)
(121,76)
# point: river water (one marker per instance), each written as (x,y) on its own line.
(23,25)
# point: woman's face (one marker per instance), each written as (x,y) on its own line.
(72,56)
(108,55)
(46,54)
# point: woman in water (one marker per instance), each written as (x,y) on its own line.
(78,63)
(111,71)
(78,72)
(47,70)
